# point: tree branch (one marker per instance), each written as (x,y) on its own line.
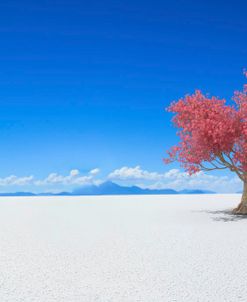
(211,169)
(230,165)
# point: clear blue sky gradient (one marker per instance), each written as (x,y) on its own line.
(84,84)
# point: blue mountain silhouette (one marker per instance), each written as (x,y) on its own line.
(111,188)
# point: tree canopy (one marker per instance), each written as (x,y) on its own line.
(213,135)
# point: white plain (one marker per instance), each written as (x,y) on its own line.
(122,248)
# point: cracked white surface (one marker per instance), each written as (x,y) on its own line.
(122,249)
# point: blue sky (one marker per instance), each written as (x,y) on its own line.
(83,86)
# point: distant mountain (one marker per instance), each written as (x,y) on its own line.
(18,194)
(189,191)
(106,188)
(111,188)
(54,194)
(33,194)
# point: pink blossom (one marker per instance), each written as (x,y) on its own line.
(211,132)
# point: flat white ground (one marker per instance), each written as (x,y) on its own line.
(122,248)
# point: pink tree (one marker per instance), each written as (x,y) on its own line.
(213,136)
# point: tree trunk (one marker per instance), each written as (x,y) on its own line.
(242,207)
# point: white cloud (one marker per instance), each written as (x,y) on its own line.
(94,171)
(126,173)
(175,179)
(73,178)
(14,180)
(136,173)
(74,172)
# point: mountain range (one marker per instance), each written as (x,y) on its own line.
(111,188)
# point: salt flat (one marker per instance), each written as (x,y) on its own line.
(122,248)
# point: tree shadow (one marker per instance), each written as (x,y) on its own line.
(226,215)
